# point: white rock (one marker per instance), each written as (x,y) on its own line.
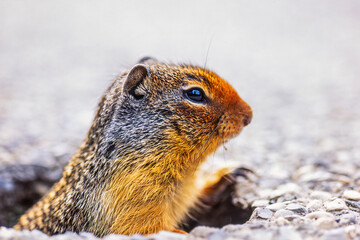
(335,205)
(325,223)
(320,214)
(344,179)
(283,213)
(314,204)
(276,206)
(320,195)
(315,176)
(260,203)
(351,194)
(296,208)
(264,213)
(348,218)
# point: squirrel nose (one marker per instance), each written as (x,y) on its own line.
(246,119)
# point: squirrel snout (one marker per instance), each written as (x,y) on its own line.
(243,111)
(246,118)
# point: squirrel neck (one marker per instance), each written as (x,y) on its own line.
(161,183)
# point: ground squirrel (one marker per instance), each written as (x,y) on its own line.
(136,170)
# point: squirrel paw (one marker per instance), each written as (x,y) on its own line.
(217,208)
(223,183)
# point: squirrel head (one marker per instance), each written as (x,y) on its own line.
(158,109)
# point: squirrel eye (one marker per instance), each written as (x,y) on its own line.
(195,95)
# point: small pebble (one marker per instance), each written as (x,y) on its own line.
(320,214)
(353,204)
(264,213)
(335,205)
(323,220)
(325,223)
(283,213)
(348,218)
(351,195)
(320,195)
(344,179)
(260,203)
(316,176)
(276,206)
(314,205)
(297,208)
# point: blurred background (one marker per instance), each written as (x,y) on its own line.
(295,62)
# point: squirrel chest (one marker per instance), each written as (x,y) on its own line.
(136,170)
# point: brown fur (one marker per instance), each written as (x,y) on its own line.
(136,170)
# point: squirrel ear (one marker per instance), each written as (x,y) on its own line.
(134,83)
(148,60)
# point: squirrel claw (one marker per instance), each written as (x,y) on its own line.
(246,173)
(179,231)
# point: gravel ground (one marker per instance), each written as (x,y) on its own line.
(296,63)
